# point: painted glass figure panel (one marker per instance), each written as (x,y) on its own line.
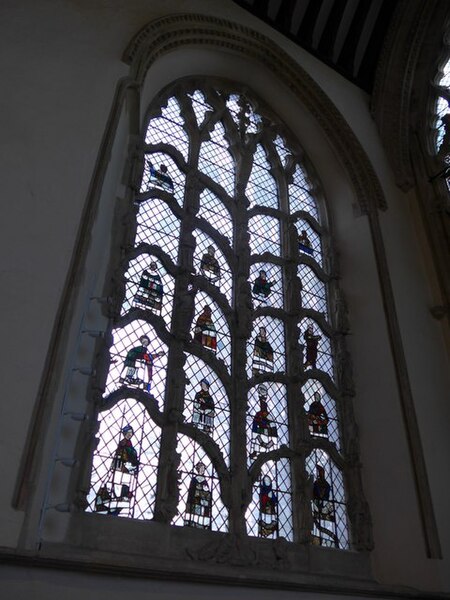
(210,328)
(308,242)
(269,514)
(267,285)
(125,462)
(162,175)
(328,503)
(321,412)
(149,287)
(266,347)
(267,420)
(316,347)
(206,403)
(210,263)
(158,226)
(138,360)
(200,504)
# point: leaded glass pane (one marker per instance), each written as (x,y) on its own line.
(214,211)
(282,150)
(168,129)
(445,78)
(200,504)
(215,160)
(206,403)
(264,235)
(442,109)
(261,188)
(158,226)
(125,462)
(328,504)
(313,290)
(200,106)
(300,198)
(300,179)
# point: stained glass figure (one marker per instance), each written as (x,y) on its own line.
(160,178)
(322,507)
(264,433)
(205,330)
(126,458)
(311,343)
(317,416)
(262,288)
(262,354)
(209,265)
(203,414)
(268,503)
(138,365)
(304,243)
(199,499)
(150,291)
(117,489)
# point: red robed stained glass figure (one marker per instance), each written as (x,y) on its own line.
(205,330)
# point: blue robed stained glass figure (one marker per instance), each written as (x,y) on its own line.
(304,243)
(268,503)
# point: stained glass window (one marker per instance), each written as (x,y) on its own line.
(221,358)
(441,123)
(442,103)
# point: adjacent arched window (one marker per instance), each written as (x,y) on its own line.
(441,121)
(221,407)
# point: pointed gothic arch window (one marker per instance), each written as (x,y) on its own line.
(441,122)
(221,407)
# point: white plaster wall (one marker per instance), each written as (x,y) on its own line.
(60,63)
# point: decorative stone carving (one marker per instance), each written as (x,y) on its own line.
(340,310)
(168,501)
(361,524)
(233,549)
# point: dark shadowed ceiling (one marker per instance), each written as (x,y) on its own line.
(347,35)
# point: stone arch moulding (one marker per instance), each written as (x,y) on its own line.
(170,33)
(400,82)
